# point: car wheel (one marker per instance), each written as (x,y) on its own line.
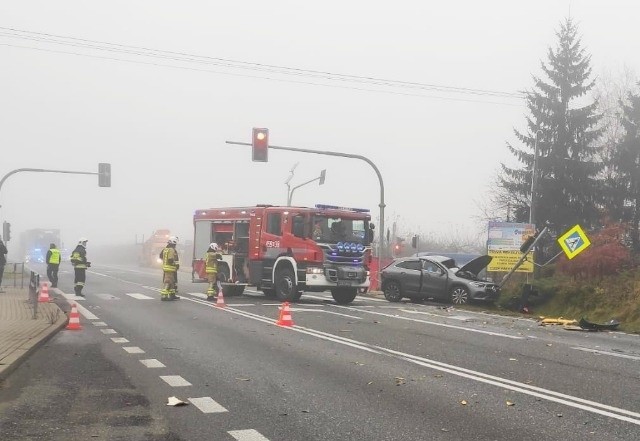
(392,291)
(459,295)
(344,296)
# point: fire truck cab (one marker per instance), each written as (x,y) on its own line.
(284,251)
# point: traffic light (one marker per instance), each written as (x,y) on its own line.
(104,174)
(6,231)
(260,145)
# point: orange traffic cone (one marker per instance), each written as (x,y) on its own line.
(220,301)
(44,293)
(74,319)
(285,318)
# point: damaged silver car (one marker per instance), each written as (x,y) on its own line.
(437,277)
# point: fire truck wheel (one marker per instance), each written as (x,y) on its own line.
(343,296)
(285,285)
(297,296)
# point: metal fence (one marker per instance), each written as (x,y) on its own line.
(14,275)
(34,288)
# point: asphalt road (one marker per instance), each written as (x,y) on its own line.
(369,371)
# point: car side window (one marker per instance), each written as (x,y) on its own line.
(410,264)
(432,268)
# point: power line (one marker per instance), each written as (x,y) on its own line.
(234,64)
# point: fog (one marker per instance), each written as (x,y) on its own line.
(163,123)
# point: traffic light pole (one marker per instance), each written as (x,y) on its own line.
(42,170)
(343,155)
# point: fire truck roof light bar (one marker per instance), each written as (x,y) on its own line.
(335,207)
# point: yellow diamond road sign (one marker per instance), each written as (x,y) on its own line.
(574,241)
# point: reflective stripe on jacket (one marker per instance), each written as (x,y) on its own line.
(169,259)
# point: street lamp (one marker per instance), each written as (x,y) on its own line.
(320,178)
(534,177)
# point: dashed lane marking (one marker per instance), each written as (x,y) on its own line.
(207,405)
(152,363)
(119,340)
(108,331)
(99,324)
(175,380)
(139,296)
(105,296)
(133,350)
(247,435)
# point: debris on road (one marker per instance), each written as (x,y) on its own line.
(510,403)
(544,321)
(174,401)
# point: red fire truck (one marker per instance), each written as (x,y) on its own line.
(284,251)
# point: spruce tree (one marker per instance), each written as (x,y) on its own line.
(566,131)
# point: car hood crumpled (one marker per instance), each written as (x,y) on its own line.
(477,264)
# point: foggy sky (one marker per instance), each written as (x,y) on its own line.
(163,129)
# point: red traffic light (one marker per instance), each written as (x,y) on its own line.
(260,145)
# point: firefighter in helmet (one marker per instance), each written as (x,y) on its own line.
(80,265)
(211,258)
(170,266)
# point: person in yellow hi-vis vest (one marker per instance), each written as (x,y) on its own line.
(211,258)
(53,264)
(170,266)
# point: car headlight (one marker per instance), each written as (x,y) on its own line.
(315,270)
(477,284)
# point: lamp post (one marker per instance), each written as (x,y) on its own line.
(534,178)
(319,178)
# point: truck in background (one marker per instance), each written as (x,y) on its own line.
(284,251)
(35,243)
(149,250)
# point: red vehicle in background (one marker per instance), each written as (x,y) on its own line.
(149,253)
(284,251)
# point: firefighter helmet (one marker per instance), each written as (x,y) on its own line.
(83,240)
(173,240)
(214,246)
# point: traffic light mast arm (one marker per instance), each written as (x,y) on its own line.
(41,170)
(343,155)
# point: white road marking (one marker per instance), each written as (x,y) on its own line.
(133,350)
(247,435)
(152,363)
(99,324)
(611,354)
(207,405)
(108,331)
(198,294)
(454,317)
(119,340)
(85,312)
(444,325)
(527,389)
(139,296)
(325,312)
(175,380)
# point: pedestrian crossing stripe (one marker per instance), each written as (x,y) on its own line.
(574,241)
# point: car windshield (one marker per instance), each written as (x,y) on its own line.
(332,229)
